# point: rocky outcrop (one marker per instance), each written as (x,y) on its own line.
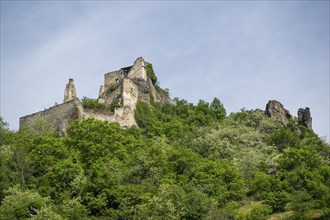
(70,91)
(275,109)
(304,118)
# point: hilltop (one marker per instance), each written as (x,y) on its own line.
(150,157)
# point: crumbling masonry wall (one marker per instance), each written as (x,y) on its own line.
(59,116)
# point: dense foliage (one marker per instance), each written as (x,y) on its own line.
(185,161)
(94,105)
(151,73)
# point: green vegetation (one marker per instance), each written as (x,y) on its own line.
(151,73)
(153,78)
(184,161)
(112,87)
(94,105)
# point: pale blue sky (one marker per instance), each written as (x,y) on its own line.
(243,52)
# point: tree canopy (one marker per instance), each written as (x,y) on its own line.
(183,161)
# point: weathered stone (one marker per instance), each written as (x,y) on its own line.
(59,116)
(70,91)
(275,109)
(138,70)
(304,118)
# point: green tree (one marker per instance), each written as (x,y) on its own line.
(277,200)
(65,180)
(260,212)
(45,152)
(9,175)
(284,138)
(218,111)
(22,204)
(168,203)
(94,139)
(6,136)
(72,209)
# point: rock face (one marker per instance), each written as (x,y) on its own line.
(122,88)
(70,91)
(304,118)
(276,110)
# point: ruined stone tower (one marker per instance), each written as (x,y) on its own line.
(125,87)
(70,91)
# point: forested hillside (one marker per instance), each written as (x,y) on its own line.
(184,161)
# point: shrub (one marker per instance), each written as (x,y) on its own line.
(151,73)
(283,139)
(93,104)
(112,87)
(277,200)
(21,204)
(114,105)
(260,212)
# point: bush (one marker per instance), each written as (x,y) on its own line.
(297,216)
(325,214)
(21,204)
(151,73)
(114,105)
(93,104)
(277,200)
(283,139)
(112,87)
(260,212)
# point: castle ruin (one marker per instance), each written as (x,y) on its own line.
(123,87)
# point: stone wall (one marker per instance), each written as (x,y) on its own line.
(59,116)
(98,115)
(112,78)
(130,94)
(111,96)
(138,70)
(125,117)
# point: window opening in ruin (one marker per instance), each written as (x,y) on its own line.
(126,70)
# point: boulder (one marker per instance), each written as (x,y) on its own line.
(275,109)
(304,117)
